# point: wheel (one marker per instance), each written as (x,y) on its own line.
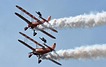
(25,28)
(39,61)
(30,55)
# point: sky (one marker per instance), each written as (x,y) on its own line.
(13,53)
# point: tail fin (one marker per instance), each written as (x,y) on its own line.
(53,46)
(49,18)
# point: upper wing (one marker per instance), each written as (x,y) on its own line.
(26,45)
(44,20)
(46,33)
(54,30)
(31,39)
(44,57)
(54,61)
(48,47)
(27,13)
(28,22)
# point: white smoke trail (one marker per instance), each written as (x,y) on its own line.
(84,52)
(80,21)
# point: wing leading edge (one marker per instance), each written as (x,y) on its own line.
(46,33)
(28,22)
(26,45)
(26,12)
(54,61)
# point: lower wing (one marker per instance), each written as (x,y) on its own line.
(28,22)
(54,30)
(54,61)
(46,33)
(31,39)
(26,45)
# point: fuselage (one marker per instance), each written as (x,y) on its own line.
(42,51)
(35,24)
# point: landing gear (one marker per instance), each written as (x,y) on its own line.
(39,61)
(25,28)
(30,54)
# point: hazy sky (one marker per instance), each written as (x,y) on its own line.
(14,54)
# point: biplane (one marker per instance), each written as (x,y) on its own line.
(34,25)
(39,52)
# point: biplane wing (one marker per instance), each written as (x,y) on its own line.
(27,21)
(46,33)
(54,30)
(23,10)
(26,45)
(31,39)
(54,61)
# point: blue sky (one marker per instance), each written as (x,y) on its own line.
(15,54)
